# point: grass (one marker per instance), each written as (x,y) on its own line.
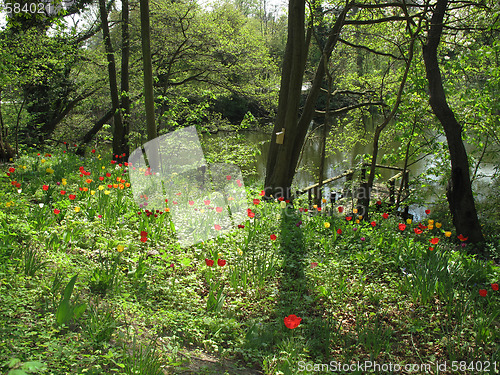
(364,292)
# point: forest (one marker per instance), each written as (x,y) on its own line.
(249,187)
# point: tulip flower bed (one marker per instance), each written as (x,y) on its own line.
(91,283)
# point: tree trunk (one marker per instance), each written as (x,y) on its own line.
(113,85)
(125,81)
(148,70)
(92,132)
(459,190)
(283,158)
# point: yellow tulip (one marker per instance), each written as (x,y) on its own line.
(355,210)
(101,187)
(357,221)
(327,224)
(430,226)
(447,234)
(106,192)
(239,251)
(438,225)
(77,209)
(431,222)
(408,221)
(92,192)
(120,248)
(43,160)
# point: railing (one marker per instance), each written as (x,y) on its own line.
(349,175)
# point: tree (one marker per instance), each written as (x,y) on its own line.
(459,190)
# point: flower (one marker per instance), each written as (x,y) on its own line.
(241,226)
(256,201)
(207,202)
(430,221)
(401,227)
(434,240)
(408,221)
(217,227)
(120,248)
(101,187)
(327,224)
(283,204)
(385,215)
(261,192)
(439,225)
(323,200)
(462,238)
(93,151)
(362,238)
(430,227)
(431,248)
(292,321)
(357,221)
(144,239)
(190,203)
(12,170)
(45,187)
(339,231)
(107,192)
(427,212)
(447,234)
(483,292)
(239,251)
(355,210)
(378,203)
(228,178)
(348,218)
(209,262)
(251,215)
(494,286)
(373,223)
(341,209)
(221,262)
(417,230)
(218,209)
(77,209)
(64,182)
(40,205)
(72,196)
(314,264)
(273,237)
(56,211)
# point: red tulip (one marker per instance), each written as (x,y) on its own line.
(292,321)
(434,240)
(218,209)
(191,203)
(483,292)
(273,237)
(251,215)
(207,202)
(339,231)
(12,170)
(417,231)
(256,201)
(401,227)
(427,212)
(56,211)
(379,203)
(209,262)
(341,209)
(228,178)
(373,224)
(221,262)
(72,196)
(494,286)
(241,226)
(348,218)
(385,215)
(217,227)
(462,238)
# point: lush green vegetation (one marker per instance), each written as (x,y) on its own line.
(90,284)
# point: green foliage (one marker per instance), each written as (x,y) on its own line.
(68,310)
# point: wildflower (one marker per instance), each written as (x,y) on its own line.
(427,212)
(430,222)
(362,238)
(483,292)
(462,238)
(190,203)
(251,215)
(348,218)
(56,211)
(327,224)
(494,286)
(221,262)
(373,223)
(101,187)
(385,215)
(239,251)
(354,210)
(314,264)
(92,192)
(228,178)
(273,237)
(218,209)
(360,217)
(430,227)
(12,170)
(357,221)
(292,321)
(401,227)
(261,192)
(93,151)
(49,170)
(379,203)
(217,227)
(408,221)
(40,205)
(64,182)
(315,206)
(106,192)
(241,226)
(439,225)
(431,248)
(63,192)
(417,230)
(447,234)
(341,209)
(72,196)
(43,160)
(339,231)
(88,180)
(434,240)
(77,209)
(209,262)
(323,200)
(207,202)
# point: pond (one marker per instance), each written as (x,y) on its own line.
(338,162)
